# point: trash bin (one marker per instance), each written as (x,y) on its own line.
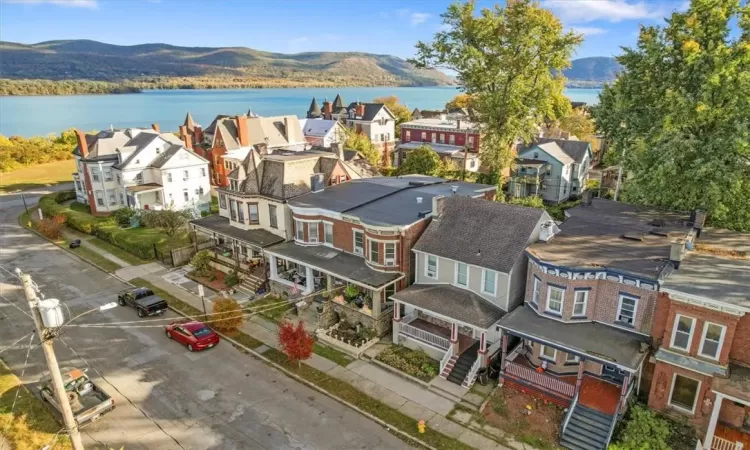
(482,376)
(494,371)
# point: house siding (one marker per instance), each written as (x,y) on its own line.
(557,184)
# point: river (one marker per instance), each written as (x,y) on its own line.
(31,116)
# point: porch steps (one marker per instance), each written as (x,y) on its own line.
(460,370)
(587,429)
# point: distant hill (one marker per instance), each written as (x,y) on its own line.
(594,70)
(162,64)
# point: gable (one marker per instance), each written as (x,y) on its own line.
(183,158)
(543,155)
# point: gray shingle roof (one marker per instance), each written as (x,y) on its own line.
(314,109)
(371,110)
(577,150)
(165,156)
(257,237)
(480,232)
(452,302)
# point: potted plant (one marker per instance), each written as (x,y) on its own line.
(351,292)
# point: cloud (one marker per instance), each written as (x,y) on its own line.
(90,4)
(402,12)
(417,17)
(607,10)
(589,31)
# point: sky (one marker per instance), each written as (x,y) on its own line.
(292,26)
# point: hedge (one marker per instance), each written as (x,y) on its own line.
(126,241)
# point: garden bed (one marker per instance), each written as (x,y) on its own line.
(345,337)
(214,281)
(412,362)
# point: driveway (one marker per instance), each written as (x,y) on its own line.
(166,397)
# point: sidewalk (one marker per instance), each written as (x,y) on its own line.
(409,398)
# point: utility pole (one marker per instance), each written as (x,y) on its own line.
(619,176)
(54,369)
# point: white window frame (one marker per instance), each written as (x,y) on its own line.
(553,358)
(695,400)
(100,198)
(299,230)
(568,360)
(484,278)
(585,302)
(549,296)
(619,308)
(185,175)
(455,275)
(389,261)
(250,213)
(361,250)
(273,220)
(720,343)
(327,226)
(536,291)
(370,243)
(95,174)
(677,318)
(169,177)
(427,272)
(313,237)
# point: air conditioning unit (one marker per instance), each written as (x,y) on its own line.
(390,262)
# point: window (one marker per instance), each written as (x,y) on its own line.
(555,297)
(407,135)
(571,358)
(299,232)
(434,138)
(122,198)
(424,136)
(682,335)
(626,310)
(107,174)
(119,179)
(95,174)
(548,353)
(139,178)
(240,212)
(185,174)
(430,269)
(312,231)
(713,335)
(233,185)
(233,209)
(203,171)
(158,196)
(252,213)
(462,274)
(389,248)
(272,216)
(452,139)
(442,138)
(490,281)
(684,393)
(169,177)
(580,301)
(186,195)
(200,191)
(390,290)
(223,201)
(359,242)
(113,198)
(158,150)
(471,141)
(328,233)
(100,198)
(374,252)
(535,294)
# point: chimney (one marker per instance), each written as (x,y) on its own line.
(183,131)
(188,141)
(286,128)
(198,134)
(242,130)
(360,110)
(155,127)
(262,149)
(83,146)
(338,149)
(327,109)
(699,220)
(588,195)
(316,182)
(438,203)
(677,252)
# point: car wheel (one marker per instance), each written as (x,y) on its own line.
(169,335)
(121,301)
(141,313)
(190,347)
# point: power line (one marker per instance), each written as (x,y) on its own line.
(20,387)
(19,340)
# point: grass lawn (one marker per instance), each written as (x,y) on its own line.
(274,314)
(32,425)
(117,251)
(330,353)
(90,256)
(37,176)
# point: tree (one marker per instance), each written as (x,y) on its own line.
(401,112)
(644,431)
(227,315)
(296,343)
(361,143)
(577,122)
(459,101)
(509,60)
(677,116)
(422,160)
(168,220)
(201,262)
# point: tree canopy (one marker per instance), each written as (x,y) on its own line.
(361,143)
(401,112)
(422,160)
(678,117)
(17,152)
(459,101)
(509,60)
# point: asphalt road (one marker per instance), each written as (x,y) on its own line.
(166,397)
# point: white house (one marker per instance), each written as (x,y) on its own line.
(323,133)
(140,168)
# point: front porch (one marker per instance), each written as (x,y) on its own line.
(729,425)
(146,196)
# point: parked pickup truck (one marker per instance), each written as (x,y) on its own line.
(88,401)
(143,300)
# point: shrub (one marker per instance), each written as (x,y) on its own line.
(126,241)
(52,227)
(122,216)
(644,430)
(168,220)
(232,278)
(351,291)
(227,315)
(296,343)
(532,202)
(201,263)
(413,362)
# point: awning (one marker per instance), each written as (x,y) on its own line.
(147,187)
(452,302)
(590,340)
(337,263)
(737,385)
(217,224)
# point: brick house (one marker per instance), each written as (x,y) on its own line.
(470,270)
(360,234)
(452,138)
(702,331)
(582,337)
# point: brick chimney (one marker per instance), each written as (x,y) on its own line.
(183,131)
(327,109)
(242,130)
(286,128)
(360,112)
(438,203)
(198,134)
(188,141)
(83,146)
(155,127)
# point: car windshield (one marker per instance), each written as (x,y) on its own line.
(201,332)
(142,293)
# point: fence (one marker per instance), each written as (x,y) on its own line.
(723,444)
(540,379)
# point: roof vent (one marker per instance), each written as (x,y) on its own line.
(454,189)
(548,231)
(419,199)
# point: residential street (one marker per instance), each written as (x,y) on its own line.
(166,397)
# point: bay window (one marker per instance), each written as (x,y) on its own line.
(555,297)
(299,232)
(312,231)
(359,242)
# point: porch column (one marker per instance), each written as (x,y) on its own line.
(309,280)
(579,378)
(377,299)
(396,321)
(454,337)
(624,392)
(482,353)
(329,283)
(274,268)
(504,351)
(712,423)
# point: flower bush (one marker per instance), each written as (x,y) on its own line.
(413,362)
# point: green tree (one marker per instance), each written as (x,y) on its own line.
(678,115)
(201,262)
(422,160)
(509,60)
(643,431)
(362,143)
(459,101)
(169,220)
(401,112)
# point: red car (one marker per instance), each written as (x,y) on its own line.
(195,335)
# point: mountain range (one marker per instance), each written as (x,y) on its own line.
(163,65)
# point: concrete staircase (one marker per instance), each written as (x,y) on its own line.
(587,429)
(457,369)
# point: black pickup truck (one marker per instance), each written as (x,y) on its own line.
(143,300)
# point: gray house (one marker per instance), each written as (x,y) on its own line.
(470,270)
(555,169)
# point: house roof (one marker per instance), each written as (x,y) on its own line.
(371,110)
(271,131)
(189,122)
(453,302)
(593,237)
(104,144)
(354,161)
(575,150)
(388,200)
(212,127)
(591,339)
(314,109)
(480,232)
(437,122)
(442,149)
(737,385)
(317,127)
(338,102)
(143,140)
(554,150)
(258,237)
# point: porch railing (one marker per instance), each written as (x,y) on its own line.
(724,444)
(425,336)
(447,357)
(540,379)
(614,422)
(569,413)
(473,371)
